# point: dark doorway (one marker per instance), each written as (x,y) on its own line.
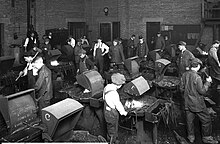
(152,28)
(77,29)
(109,31)
(105,31)
(1,37)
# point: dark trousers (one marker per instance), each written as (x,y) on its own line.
(205,120)
(111,118)
(99,61)
(31,79)
(42,104)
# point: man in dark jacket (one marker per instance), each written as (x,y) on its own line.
(194,89)
(130,47)
(116,52)
(43,85)
(184,58)
(214,61)
(159,42)
(67,51)
(142,48)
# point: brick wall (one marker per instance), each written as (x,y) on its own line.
(52,14)
(132,14)
(14,21)
(165,11)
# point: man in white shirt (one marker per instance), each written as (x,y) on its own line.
(113,106)
(100,49)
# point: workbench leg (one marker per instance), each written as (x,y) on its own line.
(155,133)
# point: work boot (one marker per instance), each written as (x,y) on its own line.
(209,140)
(191,138)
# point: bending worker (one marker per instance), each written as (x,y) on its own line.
(113,106)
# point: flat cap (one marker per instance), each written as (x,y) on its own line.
(118,79)
(182,43)
(195,62)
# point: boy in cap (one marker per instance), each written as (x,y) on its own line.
(116,53)
(184,58)
(84,63)
(194,89)
(113,106)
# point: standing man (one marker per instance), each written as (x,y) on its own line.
(68,51)
(77,50)
(131,47)
(116,53)
(100,49)
(45,47)
(214,62)
(30,41)
(43,85)
(184,58)
(142,48)
(159,42)
(113,106)
(194,89)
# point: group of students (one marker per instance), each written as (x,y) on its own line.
(191,82)
(192,87)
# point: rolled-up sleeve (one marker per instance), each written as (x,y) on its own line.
(105,47)
(119,105)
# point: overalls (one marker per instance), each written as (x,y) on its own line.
(112,118)
(99,60)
